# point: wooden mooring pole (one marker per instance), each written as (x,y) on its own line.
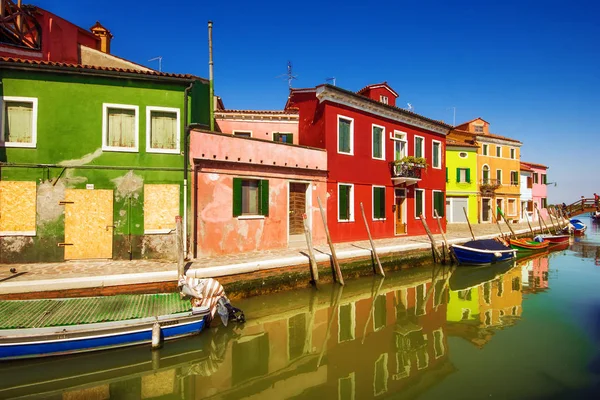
(380,268)
(507,223)
(336,266)
(469,223)
(530,228)
(437,257)
(445,241)
(179,246)
(314,271)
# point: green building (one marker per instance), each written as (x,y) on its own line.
(461,181)
(92,160)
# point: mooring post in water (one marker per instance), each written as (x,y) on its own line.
(551,219)
(373,299)
(380,268)
(506,221)
(446,245)
(336,265)
(334,312)
(314,271)
(530,228)
(179,240)
(541,220)
(156,336)
(469,223)
(499,228)
(434,249)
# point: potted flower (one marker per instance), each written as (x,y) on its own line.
(412,161)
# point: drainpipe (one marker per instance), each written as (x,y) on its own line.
(211,90)
(186,133)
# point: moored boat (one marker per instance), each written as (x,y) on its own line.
(575,226)
(555,239)
(528,245)
(482,252)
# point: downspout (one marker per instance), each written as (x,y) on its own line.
(195,223)
(211,87)
(186,133)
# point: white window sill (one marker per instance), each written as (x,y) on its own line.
(120,149)
(379,219)
(346,154)
(377,158)
(251,217)
(163,151)
(17,233)
(346,220)
(16,144)
(158,231)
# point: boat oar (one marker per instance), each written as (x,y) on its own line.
(469,222)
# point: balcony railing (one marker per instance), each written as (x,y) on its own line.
(489,185)
(406,171)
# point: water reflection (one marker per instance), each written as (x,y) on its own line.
(370,338)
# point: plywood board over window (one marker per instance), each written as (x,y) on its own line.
(17,208)
(161,206)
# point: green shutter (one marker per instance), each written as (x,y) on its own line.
(418,147)
(237,197)
(343,203)
(376,203)
(418,203)
(468,175)
(276,137)
(382,203)
(344,136)
(457,175)
(436,155)
(264,197)
(438,200)
(289,138)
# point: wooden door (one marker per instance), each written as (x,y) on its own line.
(400,217)
(297,208)
(88,224)
(485,210)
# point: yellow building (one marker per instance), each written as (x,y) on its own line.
(498,168)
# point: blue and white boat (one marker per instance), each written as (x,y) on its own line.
(575,226)
(482,252)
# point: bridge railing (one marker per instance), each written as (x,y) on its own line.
(581,206)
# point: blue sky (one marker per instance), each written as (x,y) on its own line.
(530,68)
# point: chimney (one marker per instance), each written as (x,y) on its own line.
(104,35)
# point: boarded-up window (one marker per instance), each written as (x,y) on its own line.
(17,208)
(19,121)
(120,128)
(163,128)
(161,206)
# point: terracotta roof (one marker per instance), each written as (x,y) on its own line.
(534,165)
(376,85)
(459,143)
(486,135)
(474,119)
(290,110)
(525,167)
(92,69)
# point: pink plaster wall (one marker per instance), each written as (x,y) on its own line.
(220,158)
(260,129)
(539,190)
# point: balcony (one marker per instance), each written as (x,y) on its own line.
(489,186)
(407,173)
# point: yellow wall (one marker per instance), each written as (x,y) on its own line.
(470,189)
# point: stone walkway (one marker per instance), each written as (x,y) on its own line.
(78,274)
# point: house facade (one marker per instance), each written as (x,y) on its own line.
(461,181)
(526,194)
(499,170)
(91,160)
(388,160)
(539,189)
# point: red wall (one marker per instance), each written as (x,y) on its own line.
(375,94)
(318,121)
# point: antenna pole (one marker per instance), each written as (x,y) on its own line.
(211,87)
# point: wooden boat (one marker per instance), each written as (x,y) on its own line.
(482,252)
(576,227)
(555,239)
(49,327)
(527,245)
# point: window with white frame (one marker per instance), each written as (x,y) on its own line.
(499,176)
(436,150)
(498,151)
(485,174)
(463,175)
(378,202)
(347,387)
(378,143)
(383,99)
(419,202)
(380,375)
(438,343)
(162,130)
(246,134)
(419,146)
(345,135)
(345,202)
(513,153)
(400,142)
(19,121)
(346,322)
(120,127)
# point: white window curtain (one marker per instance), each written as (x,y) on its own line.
(121,128)
(163,131)
(18,125)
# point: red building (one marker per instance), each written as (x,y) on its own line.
(368,140)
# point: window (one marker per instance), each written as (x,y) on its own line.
(347,387)
(499,176)
(383,99)
(544,202)
(381,375)
(242,133)
(438,203)
(419,202)
(19,121)
(478,128)
(438,343)
(162,130)
(462,154)
(345,135)
(516,284)
(345,202)
(283,137)
(346,322)
(535,177)
(437,154)
(399,139)
(513,153)
(379,313)
(250,358)
(419,146)
(498,151)
(543,179)
(485,175)
(378,150)
(514,178)
(378,202)
(297,336)
(529,182)
(485,149)
(463,175)
(250,197)
(120,127)
(512,207)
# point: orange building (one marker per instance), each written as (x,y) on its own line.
(498,169)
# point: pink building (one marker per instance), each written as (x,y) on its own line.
(539,189)
(254,195)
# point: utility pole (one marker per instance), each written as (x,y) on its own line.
(453,115)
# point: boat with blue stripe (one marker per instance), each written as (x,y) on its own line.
(482,252)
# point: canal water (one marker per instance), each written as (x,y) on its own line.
(528,329)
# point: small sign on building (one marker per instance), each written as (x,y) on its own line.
(89,186)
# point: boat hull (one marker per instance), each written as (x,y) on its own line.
(527,245)
(555,239)
(472,256)
(42,342)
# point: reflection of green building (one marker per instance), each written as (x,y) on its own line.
(463,305)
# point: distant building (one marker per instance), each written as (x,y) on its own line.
(527,193)
(539,187)
(386,159)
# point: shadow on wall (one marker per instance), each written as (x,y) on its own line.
(2,148)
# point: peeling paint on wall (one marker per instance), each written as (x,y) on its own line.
(159,246)
(48,198)
(128,185)
(16,244)
(88,158)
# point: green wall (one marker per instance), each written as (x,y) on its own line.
(69,133)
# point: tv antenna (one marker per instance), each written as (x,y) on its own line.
(332,80)
(159,58)
(410,107)
(453,115)
(289,76)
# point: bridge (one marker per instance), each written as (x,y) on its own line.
(580,207)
